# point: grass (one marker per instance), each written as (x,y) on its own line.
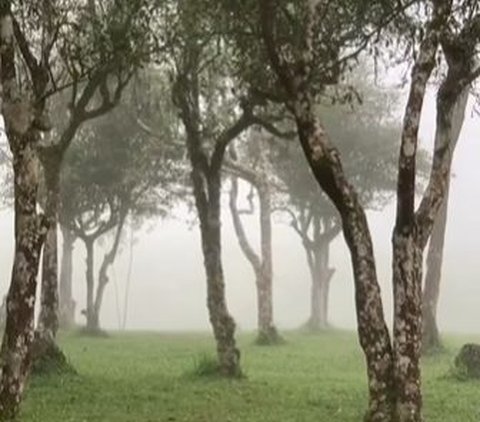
(144,377)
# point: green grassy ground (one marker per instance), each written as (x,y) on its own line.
(148,378)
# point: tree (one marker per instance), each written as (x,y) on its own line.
(23,109)
(98,65)
(113,172)
(366,136)
(67,305)
(254,170)
(431,341)
(306,45)
(214,110)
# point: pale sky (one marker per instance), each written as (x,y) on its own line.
(168,284)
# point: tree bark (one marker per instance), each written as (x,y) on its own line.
(372,329)
(210,229)
(103,278)
(206,180)
(267,330)
(321,276)
(22,127)
(67,304)
(30,232)
(92,320)
(48,318)
(393,370)
(431,341)
(261,265)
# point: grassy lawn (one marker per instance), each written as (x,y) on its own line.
(146,377)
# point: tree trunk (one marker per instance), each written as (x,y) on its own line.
(210,229)
(372,329)
(261,265)
(103,278)
(92,319)
(30,232)
(206,180)
(30,227)
(431,341)
(48,318)
(267,332)
(67,304)
(431,338)
(407,326)
(321,276)
(223,324)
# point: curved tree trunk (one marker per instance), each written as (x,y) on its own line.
(431,292)
(210,229)
(262,266)
(372,329)
(67,304)
(103,278)
(206,179)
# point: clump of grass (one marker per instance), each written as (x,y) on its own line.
(207,366)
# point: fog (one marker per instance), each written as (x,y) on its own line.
(168,290)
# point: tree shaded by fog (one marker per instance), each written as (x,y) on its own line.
(250,163)
(214,110)
(112,172)
(367,136)
(226,67)
(431,341)
(48,47)
(99,62)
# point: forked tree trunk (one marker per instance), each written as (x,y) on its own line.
(67,304)
(30,227)
(206,179)
(321,276)
(30,232)
(261,264)
(393,372)
(431,292)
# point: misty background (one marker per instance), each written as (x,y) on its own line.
(168,288)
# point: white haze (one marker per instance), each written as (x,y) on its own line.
(168,283)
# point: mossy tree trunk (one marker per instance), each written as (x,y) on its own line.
(24,118)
